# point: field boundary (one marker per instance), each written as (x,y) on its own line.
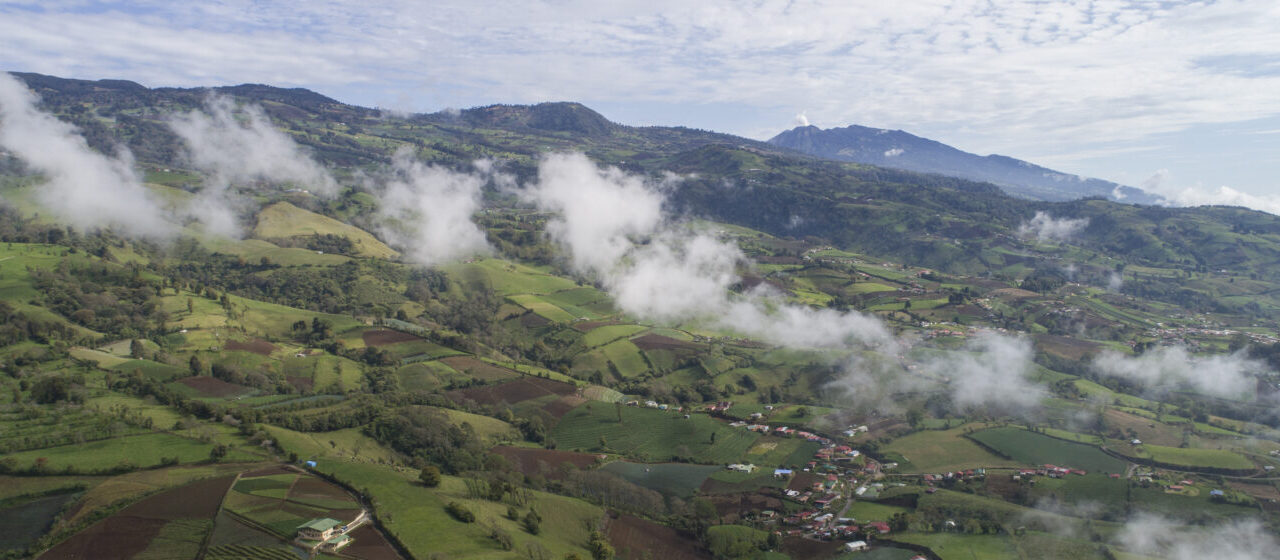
(1180,468)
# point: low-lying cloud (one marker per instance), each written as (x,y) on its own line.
(1158,537)
(239,147)
(84,187)
(1045,227)
(1229,376)
(993,371)
(1200,195)
(428,210)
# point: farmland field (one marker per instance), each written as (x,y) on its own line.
(652,434)
(943,450)
(143,450)
(1193,458)
(1035,449)
(600,336)
(637,539)
(676,479)
(542,307)
(626,357)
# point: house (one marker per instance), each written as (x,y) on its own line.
(742,468)
(880,527)
(320,529)
(855,546)
(781,473)
(1216,494)
(310,464)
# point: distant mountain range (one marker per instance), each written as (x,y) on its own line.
(901,150)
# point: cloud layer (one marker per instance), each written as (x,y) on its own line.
(83,187)
(428,210)
(1229,376)
(1045,227)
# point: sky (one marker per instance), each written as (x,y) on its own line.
(1182,98)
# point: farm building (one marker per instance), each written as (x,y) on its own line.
(318,529)
(327,535)
(855,546)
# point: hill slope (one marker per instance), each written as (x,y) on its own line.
(901,150)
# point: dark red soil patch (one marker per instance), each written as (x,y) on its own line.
(803,481)
(778,260)
(733,507)
(659,342)
(213,387)
(1066,347)
(384,337)
(1262,492)
(260,347)
(546,462)
(636,538)
(588,326)
(303,384)
(370,545)
(533,321)
(515,391)
(561,406)
(479,369)
(131,530)
(1005,486)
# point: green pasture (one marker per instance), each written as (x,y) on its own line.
(144,450)
(652,434)
(677,479)
(1036,449)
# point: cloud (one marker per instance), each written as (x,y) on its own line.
(84,187)
(1198,195)
(800,120)
(1114,282)
(611,226)
(240,147)
(1229,376)
(1045,227)
(894,152)
(428,210)
(1155,536)
(991,372)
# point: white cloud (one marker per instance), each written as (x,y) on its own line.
(241,147)
(1030,76)
(1198,195)
(84,187)
(1228,376)
(894,152)
(1045,227)
(800,120)
(428,210)
(1158,537)
(992,373)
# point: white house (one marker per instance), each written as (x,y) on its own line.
(855,546)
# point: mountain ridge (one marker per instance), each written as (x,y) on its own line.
(902,150)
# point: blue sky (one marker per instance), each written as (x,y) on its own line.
(1179,97)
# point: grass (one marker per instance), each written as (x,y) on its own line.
(282,220)
(943,450)
(650,434)
(544,308)
(486,428)
(600,336)
(677,479)
(1193,458)
(415,515)
(955,546)
(871,511)
(779,452)
(142,451)
(346,443)
(162,416)
(179,538)
(508,278)
(1037,449)
(625,357)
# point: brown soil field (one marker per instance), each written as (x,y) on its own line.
(1066,347)
(131,530)
(532,320)
(303,384)
(732,507)
(260,347)
(479,369)
(370,545)
(384,337)
(512,392)
(1013,294)
(1002,484)
(659,342)
(213,387)
(561,406)
(803,481)
(634,538)
(1261,492)
(1161,434)
(268,471)
(543,461)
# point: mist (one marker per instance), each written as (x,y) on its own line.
(1152,535)
(1044,227)
(83,187)
(427,210)
(993,371)
(1229,376)
(238,146)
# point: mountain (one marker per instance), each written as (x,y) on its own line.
(901,150)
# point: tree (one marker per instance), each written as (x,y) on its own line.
(600,547)
(136,350)
(196,365)
(430,476)
(532,522)
(51,389)
(217,453)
